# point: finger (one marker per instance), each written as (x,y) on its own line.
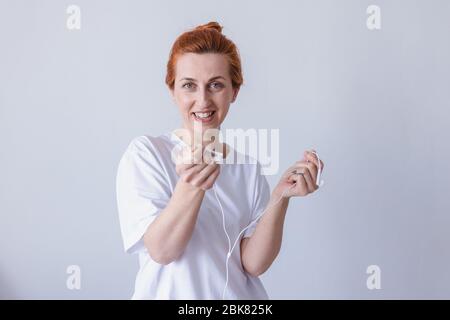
(209,152)
(190,174)
(194,154)
(211,179)
(203,175)
(200,179)
(184,157)
(313,158)
(183,167)
(289,172)
(301,187)
(312,168)
(310,181)
(312,171)
(209,169)
(293,168)
(197,154)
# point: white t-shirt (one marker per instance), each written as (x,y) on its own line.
(146,179)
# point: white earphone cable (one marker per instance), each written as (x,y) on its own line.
(319,183)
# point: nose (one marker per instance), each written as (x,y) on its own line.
(202,99)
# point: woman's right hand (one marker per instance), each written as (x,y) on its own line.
(194,170)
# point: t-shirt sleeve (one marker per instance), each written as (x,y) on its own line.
(142,190)
(261,197)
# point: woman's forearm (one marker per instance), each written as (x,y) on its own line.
(260,250)
(168,235)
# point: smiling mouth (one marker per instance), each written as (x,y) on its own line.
(203,116)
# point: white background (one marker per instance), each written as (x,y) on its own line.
(374,104)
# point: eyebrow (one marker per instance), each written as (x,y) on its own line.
(192,79)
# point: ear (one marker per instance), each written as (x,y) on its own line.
(235,94)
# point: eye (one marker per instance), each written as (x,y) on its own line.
(188,85)
(216,85)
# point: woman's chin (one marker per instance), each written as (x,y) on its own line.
(204,125)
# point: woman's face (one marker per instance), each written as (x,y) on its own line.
(203,90)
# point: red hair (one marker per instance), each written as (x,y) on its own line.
(206,38)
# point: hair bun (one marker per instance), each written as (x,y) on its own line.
(210,25)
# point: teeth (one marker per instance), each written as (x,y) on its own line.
(203,114)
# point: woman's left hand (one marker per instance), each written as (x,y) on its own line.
(306,183)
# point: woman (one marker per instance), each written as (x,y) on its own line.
(183,229)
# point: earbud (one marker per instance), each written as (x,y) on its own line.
(215,155)
(319,182)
